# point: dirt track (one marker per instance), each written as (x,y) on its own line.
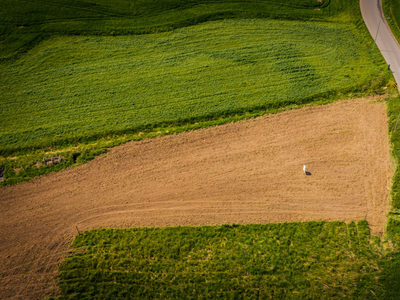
(245,172)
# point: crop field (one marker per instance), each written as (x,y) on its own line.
(25,23)
(313,260)
(82,88)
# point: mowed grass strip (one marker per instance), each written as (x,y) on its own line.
(76,89)
(312,260)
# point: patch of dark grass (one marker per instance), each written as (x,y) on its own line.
(324,260)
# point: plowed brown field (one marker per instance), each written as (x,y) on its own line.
(244,172)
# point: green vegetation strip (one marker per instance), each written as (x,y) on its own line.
(391,261)
(25,23)
(78,89)
(324,260)
(391,10)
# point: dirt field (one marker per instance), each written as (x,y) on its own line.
(245,172)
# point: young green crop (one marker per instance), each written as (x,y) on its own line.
(25,23)
(391,9)
(280,261)
(78,89)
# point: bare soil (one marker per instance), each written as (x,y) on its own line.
(244,172)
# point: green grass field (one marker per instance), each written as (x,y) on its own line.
(312,260)
(75,89)
(80,76)
(80,90)
(25,23)
(391,9)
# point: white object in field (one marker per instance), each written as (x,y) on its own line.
(304,169)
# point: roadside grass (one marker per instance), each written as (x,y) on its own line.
(391,10)
(324,260)
(391,261)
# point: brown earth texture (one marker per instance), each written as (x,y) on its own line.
(244,172)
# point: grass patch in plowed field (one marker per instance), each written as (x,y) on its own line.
(324,260)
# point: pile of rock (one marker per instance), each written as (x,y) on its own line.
(54,160)
(2,173)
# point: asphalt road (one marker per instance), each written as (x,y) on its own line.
(371,11)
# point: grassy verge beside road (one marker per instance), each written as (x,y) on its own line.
(391,10)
